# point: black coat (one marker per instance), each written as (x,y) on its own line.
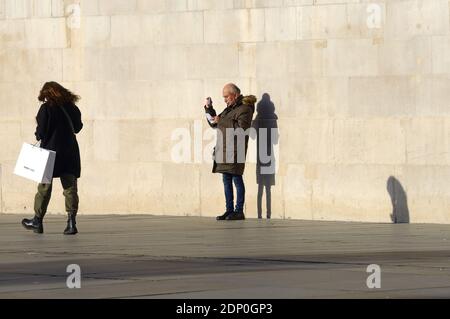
(55,133)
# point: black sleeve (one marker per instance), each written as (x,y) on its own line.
(77,123)
(213,113)
(42,123)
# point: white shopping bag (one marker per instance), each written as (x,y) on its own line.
(36,164)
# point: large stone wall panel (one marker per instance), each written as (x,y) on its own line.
(360,92)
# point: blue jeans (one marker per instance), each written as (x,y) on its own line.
(228,180)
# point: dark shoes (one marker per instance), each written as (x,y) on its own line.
(34,224)
(71,228)
(231,216)
(235,216)
(224,216)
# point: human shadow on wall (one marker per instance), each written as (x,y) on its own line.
(267,135)
(400,211)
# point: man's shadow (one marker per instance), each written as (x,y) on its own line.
(267,135)
(400,211)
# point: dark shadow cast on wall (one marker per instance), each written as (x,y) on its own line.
(400,211)
(267,136)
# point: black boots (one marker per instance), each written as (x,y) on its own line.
(224,216)
(71,228)
(34,224)
(232,216)
(236,216)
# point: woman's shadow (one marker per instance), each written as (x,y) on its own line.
(267,135)
(400,211)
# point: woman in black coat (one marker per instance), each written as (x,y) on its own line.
(58,120)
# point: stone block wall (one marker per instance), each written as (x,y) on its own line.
(361,90)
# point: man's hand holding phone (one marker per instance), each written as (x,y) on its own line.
(210,114)
(209,102)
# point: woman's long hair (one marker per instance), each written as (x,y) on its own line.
(56,94)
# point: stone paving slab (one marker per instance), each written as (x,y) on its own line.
(137,256)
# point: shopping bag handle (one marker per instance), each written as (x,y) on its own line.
(36,144)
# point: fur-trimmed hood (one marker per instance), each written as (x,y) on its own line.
(249,100)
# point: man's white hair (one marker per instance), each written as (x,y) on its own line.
(233,88)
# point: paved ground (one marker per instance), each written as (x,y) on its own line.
(171,257)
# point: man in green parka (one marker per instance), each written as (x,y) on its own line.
(233,130)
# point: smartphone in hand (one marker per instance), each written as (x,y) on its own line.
(209,102)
